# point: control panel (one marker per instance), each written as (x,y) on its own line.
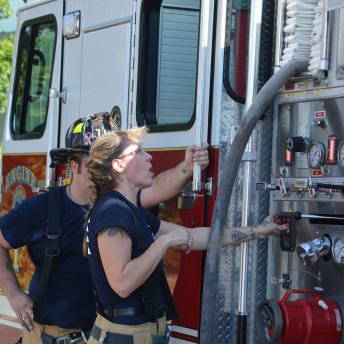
(307,190)
(309,152)
(288,236)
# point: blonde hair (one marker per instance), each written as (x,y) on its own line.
(104,150)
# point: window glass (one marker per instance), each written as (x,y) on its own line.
(238,46)
(171,72)
(21,77)
(33,79)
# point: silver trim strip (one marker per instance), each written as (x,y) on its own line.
(11,324)
(179,341)
(184,330)
(108,24)
(32,5)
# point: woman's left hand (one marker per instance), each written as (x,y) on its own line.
(198,155)
(269,226)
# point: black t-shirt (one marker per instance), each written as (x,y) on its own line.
(114,210)
(70,299)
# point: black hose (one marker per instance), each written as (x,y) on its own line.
(227,179)
(266,43)
(328,186)
(241,329)
(226,80)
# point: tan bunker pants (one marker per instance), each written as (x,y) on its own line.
(104,331)
(35,335)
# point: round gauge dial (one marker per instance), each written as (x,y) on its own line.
(316,155)
(340,154)
(338,250)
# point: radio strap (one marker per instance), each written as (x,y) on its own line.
(52,233)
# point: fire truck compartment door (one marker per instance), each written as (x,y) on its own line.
(173,79)
(28,129)
(30,125)
(105,67)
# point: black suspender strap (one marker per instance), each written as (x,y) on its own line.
(52,233)
(156,295)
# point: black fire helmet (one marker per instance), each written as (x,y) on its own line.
(80,136)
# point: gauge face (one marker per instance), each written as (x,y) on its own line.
(316,155)
(338,250)
(340,154)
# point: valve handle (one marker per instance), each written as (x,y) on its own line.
(289,292)
(269,321)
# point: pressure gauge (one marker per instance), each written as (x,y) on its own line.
(338,250)
(316,155)
(340,154)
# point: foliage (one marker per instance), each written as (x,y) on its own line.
(6,47)
(5,9)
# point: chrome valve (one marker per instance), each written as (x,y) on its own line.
(266,187)
(311,251)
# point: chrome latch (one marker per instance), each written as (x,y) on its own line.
(209,186)
(53,93)
(188,195)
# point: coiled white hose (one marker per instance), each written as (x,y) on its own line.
(299,30)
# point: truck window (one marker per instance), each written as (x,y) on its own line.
(168,65)
(33,78)
(235,53)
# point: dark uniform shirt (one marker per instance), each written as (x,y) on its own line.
(70,301)
(114,210)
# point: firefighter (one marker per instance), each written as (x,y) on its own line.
(127,244)
(64,304)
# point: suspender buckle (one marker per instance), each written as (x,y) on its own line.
(53,233)
(70,339)
(63,340)
(52,248)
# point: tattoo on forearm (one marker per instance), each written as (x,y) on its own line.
(111,232)
(238,236)
(264,223)
(185,171)
(253,235)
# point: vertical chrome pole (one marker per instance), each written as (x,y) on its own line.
(249,158)
(201,86)
(52,115)
(279,33)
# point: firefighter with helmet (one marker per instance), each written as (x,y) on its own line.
(127,244)
(60,306)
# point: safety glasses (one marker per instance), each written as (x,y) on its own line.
(133,153)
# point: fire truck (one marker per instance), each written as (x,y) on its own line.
(263,82)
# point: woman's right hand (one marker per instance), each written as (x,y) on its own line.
(270,225)
(22,305)
(177,238)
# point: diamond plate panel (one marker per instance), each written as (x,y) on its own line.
(227,294)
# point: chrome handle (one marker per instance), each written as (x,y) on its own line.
(188,195)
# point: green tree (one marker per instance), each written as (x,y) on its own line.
(5,9)
(6,47)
